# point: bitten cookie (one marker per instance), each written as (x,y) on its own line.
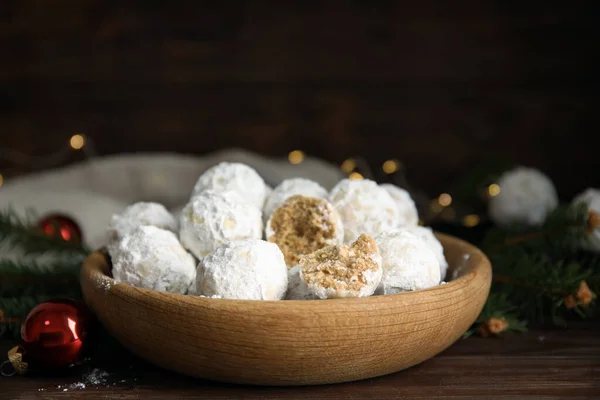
(211,219)
(248,269)
(153,258)
(233,177)
(343,271)
(364,207)
(288,188)
(302,225)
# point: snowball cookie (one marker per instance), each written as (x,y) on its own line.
(288,188)
(136,215)
(343,271)
(591,197)
(407,210)
(303,225)
(526,197)
(235,177)
(408,263)
(426,234)
(297,288)
(248,269)
(153,258)
(176,212)
(268,191)
(364,208)
(211,219)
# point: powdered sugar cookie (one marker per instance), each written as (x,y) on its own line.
(153,258)
(288,188)
(297,288)
(302,225)
(408,263)
(426,234)
(248,269)
(233,177)
(212,218)
(139,214)
(364,208)
(408,214)
(343,271)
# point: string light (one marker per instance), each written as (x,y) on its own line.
(355,176)
(471,220)
(445,199)
(348,165)
(296,157)
(19,162)
(493,190)
(77,142)
(390,166)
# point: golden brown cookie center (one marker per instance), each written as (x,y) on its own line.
(341,267)
(303,225)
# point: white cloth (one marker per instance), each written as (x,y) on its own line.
(91,191)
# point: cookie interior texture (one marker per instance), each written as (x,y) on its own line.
(341,267)
(301,226)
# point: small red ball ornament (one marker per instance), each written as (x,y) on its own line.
(61,227)
(53,337)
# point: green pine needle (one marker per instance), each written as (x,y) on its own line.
(21,232)
(48,269)
(30,277)
(537,268)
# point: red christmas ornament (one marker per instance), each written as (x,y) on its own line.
(62,227)
(54,335)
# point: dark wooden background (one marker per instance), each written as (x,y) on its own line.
(440,85)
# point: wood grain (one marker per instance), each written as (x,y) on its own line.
(291,342)
(542,364)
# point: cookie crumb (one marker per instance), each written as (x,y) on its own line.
(302,225)
(343,271)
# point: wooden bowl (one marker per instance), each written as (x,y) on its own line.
(292,342)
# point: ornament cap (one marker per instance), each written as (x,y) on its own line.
(15,358)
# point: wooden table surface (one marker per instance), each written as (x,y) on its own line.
(540,364)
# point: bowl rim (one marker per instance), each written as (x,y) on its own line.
(94,272)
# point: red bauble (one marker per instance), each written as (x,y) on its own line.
(54,335)
(62,227)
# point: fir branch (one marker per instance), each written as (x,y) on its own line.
(40,268)
(538,268)
(33,278)
(34,269)
(564,229)
(554,280)
(17,231)
(541,270)
(510,281)
(499,306)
